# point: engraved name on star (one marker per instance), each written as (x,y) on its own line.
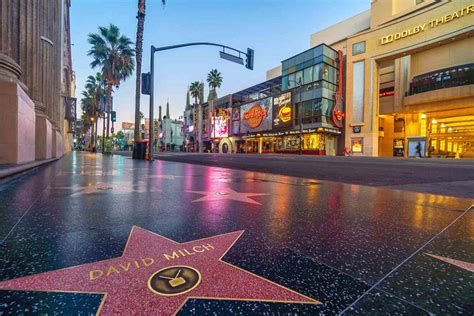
(227,194)
(157,276)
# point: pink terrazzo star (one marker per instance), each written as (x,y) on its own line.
(458,263)
(227,194)
(125,280)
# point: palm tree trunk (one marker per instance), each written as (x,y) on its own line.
(96,126)
(103,133)
(138,69)
(109,105)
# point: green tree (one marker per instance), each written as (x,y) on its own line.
(214,79)
(120,135)
(196,89)
(113,53)
(95,88)
(139,51)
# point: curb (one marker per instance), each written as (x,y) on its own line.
(15,170)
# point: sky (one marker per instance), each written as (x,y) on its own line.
(275,29)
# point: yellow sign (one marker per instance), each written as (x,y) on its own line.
(423,27)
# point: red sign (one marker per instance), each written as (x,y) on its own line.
(255,115)
(337,116)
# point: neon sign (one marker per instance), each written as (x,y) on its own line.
(337,116)
(255,115)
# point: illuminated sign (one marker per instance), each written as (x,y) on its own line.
(423,27)
(282,110)
(337,116)
(256,116)
(220,124)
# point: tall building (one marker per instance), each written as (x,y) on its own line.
(37,110)
(409,77)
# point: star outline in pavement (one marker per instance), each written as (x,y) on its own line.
(307,301)
(227,194)
(468,266)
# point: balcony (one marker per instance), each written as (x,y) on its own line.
(439,95)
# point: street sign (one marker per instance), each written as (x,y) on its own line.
(235,59)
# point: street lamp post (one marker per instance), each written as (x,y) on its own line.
(237,59)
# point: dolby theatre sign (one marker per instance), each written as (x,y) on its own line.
(390,38)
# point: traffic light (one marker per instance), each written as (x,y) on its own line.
(249,59)
(114,116)
(146,83)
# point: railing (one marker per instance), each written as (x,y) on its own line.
(443,78)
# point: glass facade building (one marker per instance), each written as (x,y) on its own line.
(312,78)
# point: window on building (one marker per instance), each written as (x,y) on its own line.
(329,73)
(298,78)
(419,1)
(291,81)
(399,126)
(317,72)
(308,75)
(358,48)
(358,92)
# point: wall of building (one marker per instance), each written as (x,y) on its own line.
(452,54)
(435,33)
(31,45)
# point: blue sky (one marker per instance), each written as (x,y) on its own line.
(275,29)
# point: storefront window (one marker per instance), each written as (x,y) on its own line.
(313,141)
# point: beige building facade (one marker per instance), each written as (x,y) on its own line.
(409,81)
(36,79)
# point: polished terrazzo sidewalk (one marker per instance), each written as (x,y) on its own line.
(93,233)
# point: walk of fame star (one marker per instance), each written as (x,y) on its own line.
(101,187)
(156,275)
(227,194)
(458,263)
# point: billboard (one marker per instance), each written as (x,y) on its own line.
(256,116)
(219,127)
(128,125)
(282,111)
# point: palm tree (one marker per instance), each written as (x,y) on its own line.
(113,53)
(214,79)
(195,89)
(94,86)
(139,51)
(87,106)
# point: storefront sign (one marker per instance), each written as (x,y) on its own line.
(337,116)
(282,111)
(357,145)
(256,116)
(356,129)
(294,132)
(425,26)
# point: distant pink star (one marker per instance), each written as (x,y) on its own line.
(458,263)
(227,194)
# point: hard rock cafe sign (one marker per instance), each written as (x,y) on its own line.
(255,115)
(337,116)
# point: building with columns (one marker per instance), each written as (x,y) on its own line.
(37,108)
